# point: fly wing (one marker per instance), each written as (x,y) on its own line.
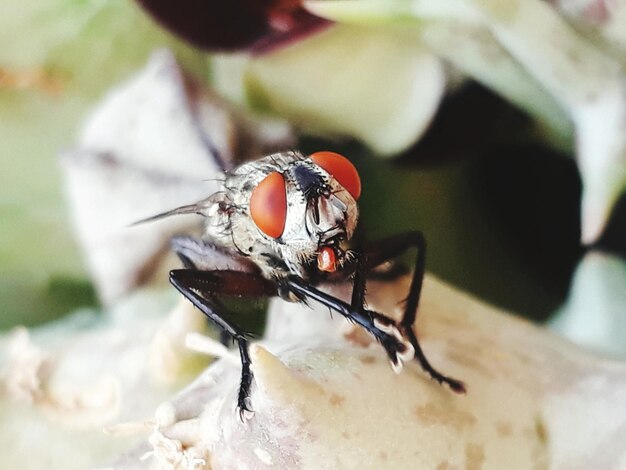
(206,256)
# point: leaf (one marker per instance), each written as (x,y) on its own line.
(377,85)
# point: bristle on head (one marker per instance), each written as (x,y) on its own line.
(199,208)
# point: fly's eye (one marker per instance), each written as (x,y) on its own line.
(268,205)
(340,168)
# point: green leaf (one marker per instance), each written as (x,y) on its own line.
(377,85)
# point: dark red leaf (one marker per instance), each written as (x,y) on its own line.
(229,25)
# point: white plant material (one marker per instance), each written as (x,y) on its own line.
(503,74)
(28,368)
(324,398)
(602,20)
(62,384)
(324,393)
(594,314)
(545,52)
(150,146)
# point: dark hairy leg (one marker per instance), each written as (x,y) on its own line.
(386,250)
(202,287)
(382,328)
(200,255)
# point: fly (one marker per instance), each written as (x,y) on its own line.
(278,227)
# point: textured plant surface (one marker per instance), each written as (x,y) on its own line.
(324,394)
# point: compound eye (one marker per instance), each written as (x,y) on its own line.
(340,168)
(268,205)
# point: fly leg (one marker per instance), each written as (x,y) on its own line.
(202,288)
(382,328)
(385,250)
(198,254)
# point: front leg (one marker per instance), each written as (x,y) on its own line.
(382,328)
(385,250)
(202,287)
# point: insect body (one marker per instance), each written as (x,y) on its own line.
(278,227)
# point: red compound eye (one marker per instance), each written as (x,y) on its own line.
(268,205)
(341,169)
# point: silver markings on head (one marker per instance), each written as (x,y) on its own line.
(285,210)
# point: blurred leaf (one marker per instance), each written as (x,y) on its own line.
(376,85)
(259,25)
(83,44)
(56,57)
(594,314)
(35,239)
